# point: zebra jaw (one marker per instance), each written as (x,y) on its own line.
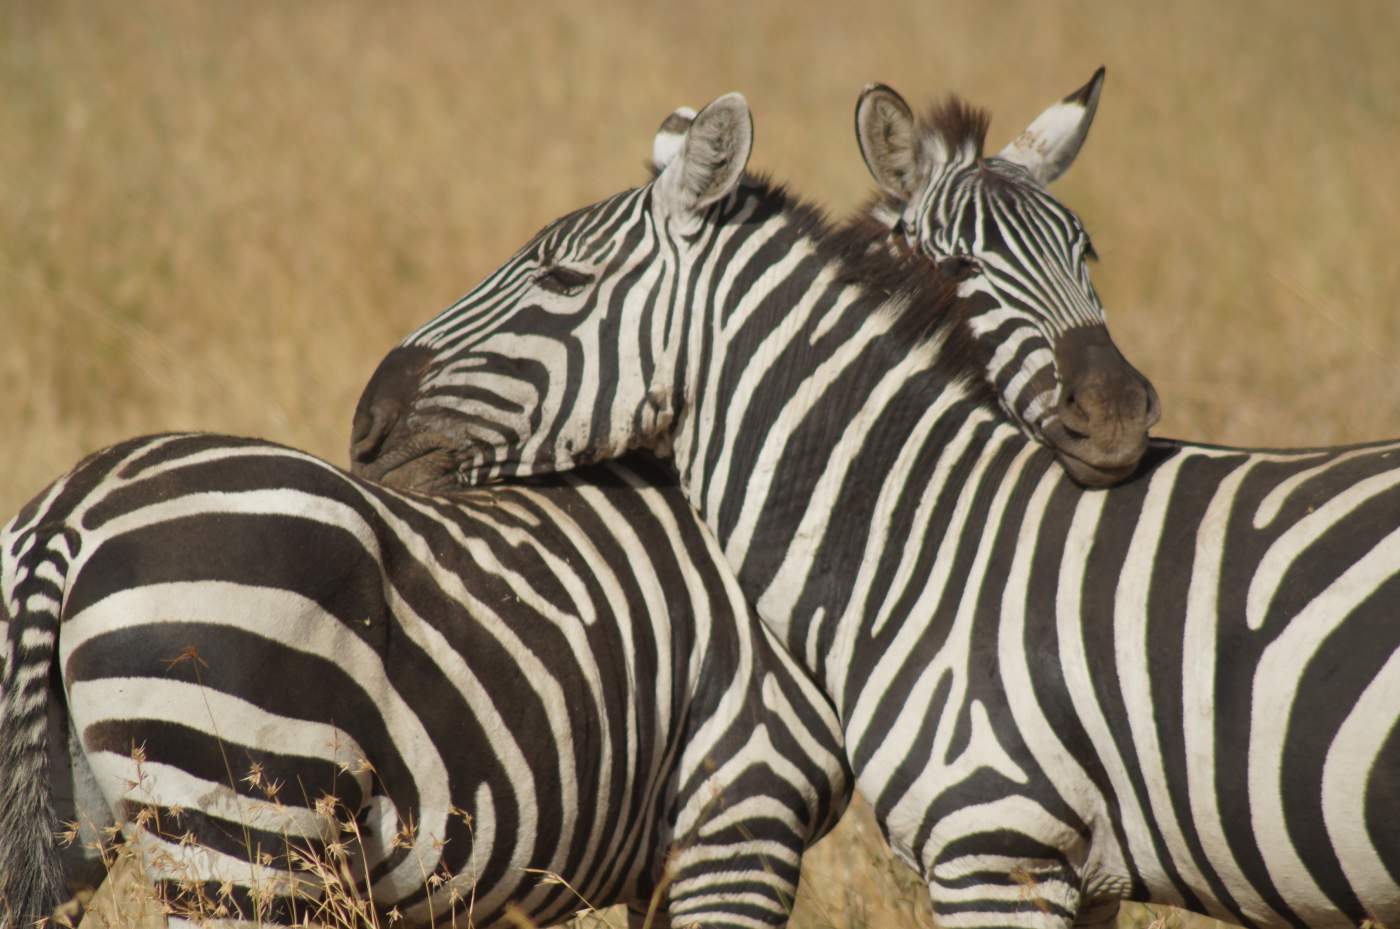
(1096,474)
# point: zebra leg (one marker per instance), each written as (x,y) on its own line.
(991,890)
(78,802)
(1098,914)
(735,871)
(647,917)
(754,795)
(740,838)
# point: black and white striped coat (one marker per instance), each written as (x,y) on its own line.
(1182,689)
(559,679)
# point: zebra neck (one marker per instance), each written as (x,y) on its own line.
(809,456)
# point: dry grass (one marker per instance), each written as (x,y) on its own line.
(220,215)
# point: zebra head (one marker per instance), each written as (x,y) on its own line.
(1021,257)
(587,315)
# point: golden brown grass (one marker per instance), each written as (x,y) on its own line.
(220,215)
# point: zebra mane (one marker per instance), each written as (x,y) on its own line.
(959,125)
(925,302)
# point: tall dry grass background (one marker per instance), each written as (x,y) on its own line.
(220,215)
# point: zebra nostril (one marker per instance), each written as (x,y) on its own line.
(383,403)
(371,428)
(1072,405)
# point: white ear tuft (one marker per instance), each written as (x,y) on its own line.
(670,136)
(888,137)
(712,156)
(1048,146)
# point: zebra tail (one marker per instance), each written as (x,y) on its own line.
(31,875)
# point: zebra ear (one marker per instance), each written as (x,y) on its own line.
(712,155)
(886,131)
(1048,146)
(670,136)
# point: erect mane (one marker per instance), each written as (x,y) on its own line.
(959,124)
(926,301)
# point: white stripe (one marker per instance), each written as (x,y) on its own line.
(1132,659)
(746,389)
(1071,782)
(33,637)
(1200,665)
(1273,502)
(1079,679)
(1274,698)
(162,859)
(219,715)
(152,782)
(776,603)
(1350,769)
(1279,559)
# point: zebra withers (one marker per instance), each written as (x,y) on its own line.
(1182,689)
(260,658)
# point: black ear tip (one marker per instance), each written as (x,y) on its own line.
(1086,93)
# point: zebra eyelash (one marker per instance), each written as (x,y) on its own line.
(566,282)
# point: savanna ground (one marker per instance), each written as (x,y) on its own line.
(219,216)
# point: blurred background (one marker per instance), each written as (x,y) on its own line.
(220,215)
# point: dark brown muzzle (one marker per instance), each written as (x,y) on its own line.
(1106,409)
(380,441)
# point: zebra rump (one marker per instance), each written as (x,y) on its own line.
(261,658)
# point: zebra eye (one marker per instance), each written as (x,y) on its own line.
(958,268)
(563,281)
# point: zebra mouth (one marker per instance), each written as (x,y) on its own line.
(1098,471)
(1088,462)
(1092,475)
(423,462)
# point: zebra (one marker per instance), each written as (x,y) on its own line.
(1049,357)
(494,705)
(1055,369)
(1182,689)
